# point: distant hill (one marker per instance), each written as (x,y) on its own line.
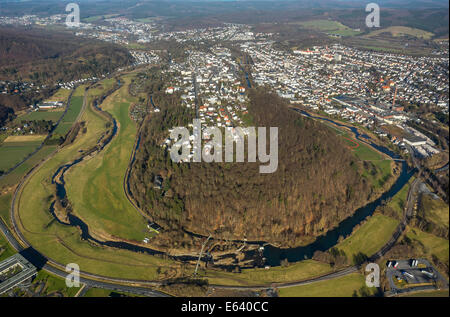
(47,57)
(402,31)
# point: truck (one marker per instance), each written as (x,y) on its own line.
(407,274)
(429,274)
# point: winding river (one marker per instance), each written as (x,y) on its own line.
(273,255)
(58,180)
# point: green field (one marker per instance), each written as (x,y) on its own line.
(402,31)
(346,286)
(365,153)
(52,115)
(101,87)
(436,210)
(60,95)
(431,243)
(13,152)
(294,272)
(93,18)
(14,177)
(113,214)
(98,17)
(76,103)
(369,237)
(63,243)
(5,248)
(399,200)
(5,204)
(332,27)
(54,284)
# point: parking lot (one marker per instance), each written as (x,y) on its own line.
(412,273)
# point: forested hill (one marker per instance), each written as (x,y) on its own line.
(47,57)
(317,183)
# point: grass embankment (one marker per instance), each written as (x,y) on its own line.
(294,272)
(54,284)
(346,286)
(436,210)
(398,202)
(5,203)
(100,292)
(383,166)
(369,237)
(5,248)
(430,243)
(106,208)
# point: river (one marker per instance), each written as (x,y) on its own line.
(273,255)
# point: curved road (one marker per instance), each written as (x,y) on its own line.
(20,244)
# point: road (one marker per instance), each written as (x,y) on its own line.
(136,286)
(19,243)
(444,168)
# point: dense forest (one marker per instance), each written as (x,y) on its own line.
(47,57)
(317,184)
(6,114)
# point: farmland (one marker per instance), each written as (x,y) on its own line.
(329,26)
(72,113)
(14,177)
(60,95)
(16,148)
(52,115)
